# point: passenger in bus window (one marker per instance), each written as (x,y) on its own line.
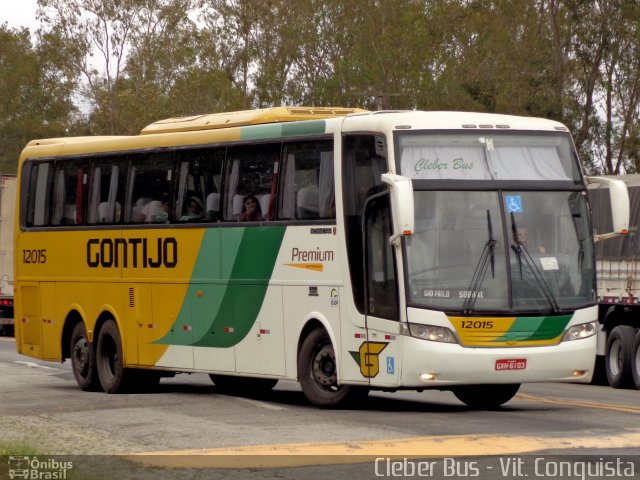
(195,210)
(158,210)
(251,211)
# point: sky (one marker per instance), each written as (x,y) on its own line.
(19,13)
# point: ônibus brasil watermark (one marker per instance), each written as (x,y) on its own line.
(34,468)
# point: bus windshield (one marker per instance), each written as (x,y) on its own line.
(500,251)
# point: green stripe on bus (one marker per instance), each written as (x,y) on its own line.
(313,127)
(222,311)
(535,328)
(289,129)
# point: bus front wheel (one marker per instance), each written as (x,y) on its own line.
(83,359)
(110,363)
(318,374)
(486,397)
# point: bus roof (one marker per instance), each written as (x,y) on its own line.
(245,118)
(447,120)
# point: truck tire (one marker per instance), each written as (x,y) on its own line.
(618,356)
(635,361)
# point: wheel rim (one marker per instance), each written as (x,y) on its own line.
(324,368)
(615,358)
(81,356)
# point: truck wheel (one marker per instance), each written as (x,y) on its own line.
(486,397)
(83,359)
(318,374)
(635,361)
(110,363)
(618,356)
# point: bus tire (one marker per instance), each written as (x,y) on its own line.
(83,359)
(243,385)
(109,359)
(618,356)
(486,397)
(318,374)
(635,361)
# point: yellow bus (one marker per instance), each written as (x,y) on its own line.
(345,249)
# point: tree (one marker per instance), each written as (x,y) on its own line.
(35,100)
(108,30)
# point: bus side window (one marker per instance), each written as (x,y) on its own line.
(199,185)
(382,289)
(308,190)
(106,192)
(252,170)
(149,189)
(38,193)
(70,192)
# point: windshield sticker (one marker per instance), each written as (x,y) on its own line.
(436,293)
(549,263)
(514,203)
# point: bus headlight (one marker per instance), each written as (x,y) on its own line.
(428,332)
(577,332)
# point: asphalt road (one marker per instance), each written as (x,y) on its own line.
(187,424)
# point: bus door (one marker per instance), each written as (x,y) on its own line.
(380,354)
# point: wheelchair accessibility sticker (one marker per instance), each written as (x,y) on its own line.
(391,367)
(514,203)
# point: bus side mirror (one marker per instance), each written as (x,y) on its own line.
(401,192)
(619,197)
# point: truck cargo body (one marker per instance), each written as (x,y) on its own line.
(7,214)
(618,289)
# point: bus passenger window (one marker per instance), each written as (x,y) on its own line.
(149,188)
(199,185)
(39,186)
(252,171)
(106,193)
(308,187)
(69,192)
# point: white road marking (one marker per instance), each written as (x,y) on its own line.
(260,404)
(34,365)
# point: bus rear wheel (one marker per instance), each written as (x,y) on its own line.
(619,356)
(318,374)
(109,362)
(83,359)
(486,397)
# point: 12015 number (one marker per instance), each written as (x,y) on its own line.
(34,256)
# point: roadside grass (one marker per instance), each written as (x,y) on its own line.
(17,449)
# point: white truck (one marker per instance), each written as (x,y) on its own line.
(7,214)
(618,288)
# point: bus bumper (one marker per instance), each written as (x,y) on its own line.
(438,365)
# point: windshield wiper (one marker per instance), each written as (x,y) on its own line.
(521,251)
(487,258)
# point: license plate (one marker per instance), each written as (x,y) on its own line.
(511,364)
